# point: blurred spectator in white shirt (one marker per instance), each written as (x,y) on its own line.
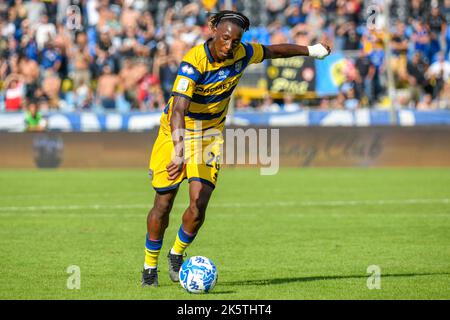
(440,68)
(45,31)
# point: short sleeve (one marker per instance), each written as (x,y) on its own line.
(186,80)
(255,52)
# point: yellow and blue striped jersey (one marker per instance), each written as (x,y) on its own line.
(209,85)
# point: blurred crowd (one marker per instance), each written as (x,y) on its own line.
(74,55)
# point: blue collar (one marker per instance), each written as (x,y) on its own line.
(208,52)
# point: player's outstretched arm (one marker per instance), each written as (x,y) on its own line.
(177,125)
(287,50)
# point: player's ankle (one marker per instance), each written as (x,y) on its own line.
(172,251)
(149,267)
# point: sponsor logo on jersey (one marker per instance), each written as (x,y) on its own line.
(220,87)
(187,70)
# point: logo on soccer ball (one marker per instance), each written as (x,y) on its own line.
(198,275)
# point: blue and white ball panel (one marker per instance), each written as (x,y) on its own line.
(198,275)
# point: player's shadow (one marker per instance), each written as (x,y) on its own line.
(263,282)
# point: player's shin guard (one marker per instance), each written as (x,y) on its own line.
(152,250)
(182,241)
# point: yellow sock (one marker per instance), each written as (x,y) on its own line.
(151,258)
(152,250)
(182,241)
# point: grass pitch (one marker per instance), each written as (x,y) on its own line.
(301,234)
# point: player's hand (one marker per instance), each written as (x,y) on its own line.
(319,51)
(175,168)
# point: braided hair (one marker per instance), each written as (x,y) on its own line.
(232,16)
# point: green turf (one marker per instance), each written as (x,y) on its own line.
(301,234)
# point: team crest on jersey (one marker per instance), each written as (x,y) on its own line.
(238,66)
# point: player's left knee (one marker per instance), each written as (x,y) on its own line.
(198,207)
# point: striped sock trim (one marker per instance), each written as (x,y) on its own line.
(153,245)
(185,236)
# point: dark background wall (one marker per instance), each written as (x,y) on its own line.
(300,146)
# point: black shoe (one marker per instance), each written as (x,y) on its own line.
(175,261)
(150,277)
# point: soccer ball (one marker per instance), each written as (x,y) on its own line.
(198,275)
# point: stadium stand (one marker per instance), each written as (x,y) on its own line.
(77,55)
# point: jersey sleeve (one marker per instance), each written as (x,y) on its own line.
(255,52)
(187,77)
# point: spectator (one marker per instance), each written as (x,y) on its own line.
(83,95)
(439,69)
(437,74)
(29,69)
(34,121)
(146,28)
(92,12)
(166,67)
(398,64)
(416,69)
(301,34)
(42,100)
(21,10)
(351,102)
(131,74)
(9,27)
(45,31)
(294,15)
(51,58)
(14,94)
(243,104)
(51,86)
(444,97)
(277,34)
(426,103)
(27,43)
(365,73)
(275,9)
(339,101)
(446,11)
(400,40)
(129,17)
(103,59)
(149,95)
(107,88)
(269,105)
(422,40)
(324,104)
(314,17)
(289,105)
(376,58)
(416,10)
(436,20)
(80,60)
(350,39)
(403,99)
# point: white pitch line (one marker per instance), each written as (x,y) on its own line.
(331,203)
(140,215)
